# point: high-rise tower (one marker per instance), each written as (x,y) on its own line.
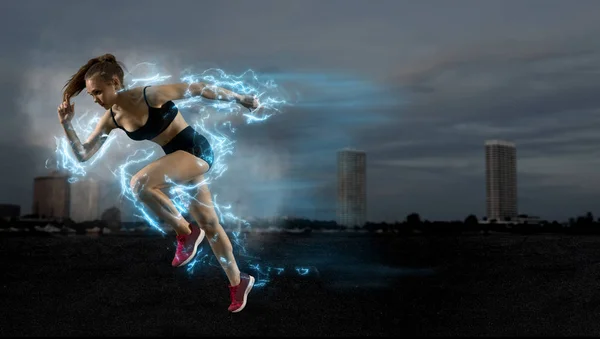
(352,188)
(501,180)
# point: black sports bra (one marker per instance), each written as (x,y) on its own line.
(158,120)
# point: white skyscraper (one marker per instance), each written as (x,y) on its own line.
(352,188)
(501,180)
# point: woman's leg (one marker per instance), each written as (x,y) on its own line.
(178,167)
(184,168)
(203,211)
(162,206)
(147,185)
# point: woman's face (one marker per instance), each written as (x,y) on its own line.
(104,93)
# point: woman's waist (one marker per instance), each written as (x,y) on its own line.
(174,129)
(187,138)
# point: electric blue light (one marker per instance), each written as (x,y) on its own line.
(221,137)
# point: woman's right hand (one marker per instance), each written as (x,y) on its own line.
(66,112)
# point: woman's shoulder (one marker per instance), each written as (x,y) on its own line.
(133,90)
(133,94)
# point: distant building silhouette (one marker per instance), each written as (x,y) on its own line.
(351,188)
(55,197)
(501,180)
(51,195)
(85,195)
(8,211)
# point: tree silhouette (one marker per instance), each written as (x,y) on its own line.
(112,217)
(589,218)
(471,222)
(413,219)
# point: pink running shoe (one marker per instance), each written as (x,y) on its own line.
(187,246)
(239,293)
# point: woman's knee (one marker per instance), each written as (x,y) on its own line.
(209,222)
(139,185)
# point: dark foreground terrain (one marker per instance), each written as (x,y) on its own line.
(496,285)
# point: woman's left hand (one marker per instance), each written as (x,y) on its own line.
(249,102)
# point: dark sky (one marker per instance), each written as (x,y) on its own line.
(418,85)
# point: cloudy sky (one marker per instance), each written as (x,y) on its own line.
(418,85)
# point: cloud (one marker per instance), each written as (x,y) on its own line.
(418,88)
(543,97)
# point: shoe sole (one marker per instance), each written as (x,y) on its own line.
(248,288)
(198,241)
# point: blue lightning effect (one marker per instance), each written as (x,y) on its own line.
(65,160)
(272,100)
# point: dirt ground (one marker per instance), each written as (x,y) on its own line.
(496,285)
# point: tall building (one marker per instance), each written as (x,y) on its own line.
(51,196)
(352,188)
(85,196)
(501,180)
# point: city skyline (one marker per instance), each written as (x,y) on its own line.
(80,200)
(416,86)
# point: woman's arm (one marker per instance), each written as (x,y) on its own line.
(214,92)
(94,142)
(164,93)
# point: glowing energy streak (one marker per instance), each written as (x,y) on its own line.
(271,101)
